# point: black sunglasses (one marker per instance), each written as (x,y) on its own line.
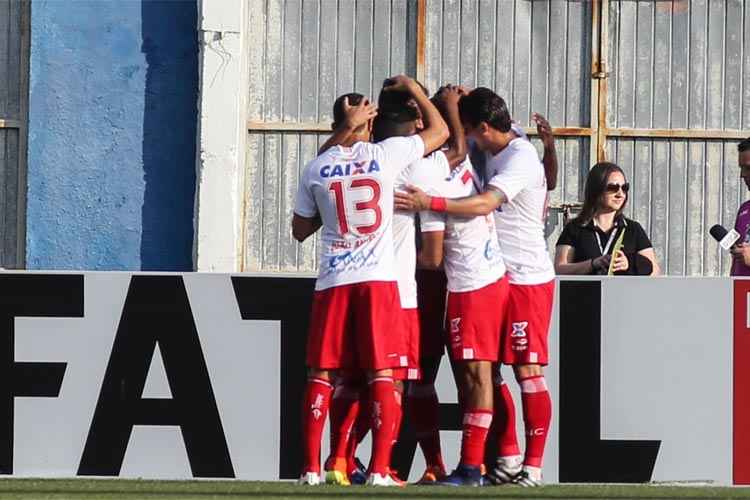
(613,188)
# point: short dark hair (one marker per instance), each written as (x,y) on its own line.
(385,126)
(397,105)
(338,106)
(744,145)
(483,105)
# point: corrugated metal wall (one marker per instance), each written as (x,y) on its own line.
(680,65)
(672,64)
(13,78)
(303,55)
(534,54)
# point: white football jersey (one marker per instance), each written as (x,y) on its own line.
(424,173)
(352,190)
(517,172)
(471,254)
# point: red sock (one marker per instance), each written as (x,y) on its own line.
(537,413)
(314,412)
(361,428)
(344,411)
(476,425)
(423,410)
(397,396)
(505,419)
(383,422)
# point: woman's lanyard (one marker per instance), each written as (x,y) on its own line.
(609,241)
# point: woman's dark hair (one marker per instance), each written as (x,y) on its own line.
(596,185)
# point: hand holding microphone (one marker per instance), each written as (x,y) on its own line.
(725,238)
(728,241)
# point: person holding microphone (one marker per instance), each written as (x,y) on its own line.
(587,243)
(741,250)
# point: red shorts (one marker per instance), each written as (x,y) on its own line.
(351,327)
(526,325)
(474,320)
(431,293)
(409,340)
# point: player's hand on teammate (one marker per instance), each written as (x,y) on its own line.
(359,115)
(448,96)
(401,83)
(741,253)
(544,130)
(413,200)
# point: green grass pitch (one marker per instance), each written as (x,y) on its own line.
(116,489)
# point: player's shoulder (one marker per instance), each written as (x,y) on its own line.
(523,147)
(429,170)
(519,131)
(314,167)
(744,208)
(436,159)
(398,142)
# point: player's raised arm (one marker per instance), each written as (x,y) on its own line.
(549,160)
(447,98)
(435,132)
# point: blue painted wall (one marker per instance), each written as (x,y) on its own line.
(112,131)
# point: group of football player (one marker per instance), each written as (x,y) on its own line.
(432,213)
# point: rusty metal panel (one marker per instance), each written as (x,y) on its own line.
(536,55)
(14,29)
(9,197)
(677,64)
(573,160)
(12,54)
(310,51)
(302,55)
(680,188)
(275,161)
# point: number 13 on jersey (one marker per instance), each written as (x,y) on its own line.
(355,213)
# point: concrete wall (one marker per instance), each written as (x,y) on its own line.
(111,176)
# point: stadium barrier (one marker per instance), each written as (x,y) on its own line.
(200,375)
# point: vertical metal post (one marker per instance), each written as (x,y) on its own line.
(594,103)
(602,79)
(421,41)
(23,135)
(599,75)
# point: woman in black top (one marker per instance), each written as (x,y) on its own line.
(586,243)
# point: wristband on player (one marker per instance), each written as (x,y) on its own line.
(438,204)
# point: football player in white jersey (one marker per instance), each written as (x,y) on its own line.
(426,172)
(477,291)
(516,192)
(398,116)
(350,189)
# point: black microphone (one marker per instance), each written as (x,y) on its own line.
(725,238)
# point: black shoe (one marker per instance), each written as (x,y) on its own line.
(463,475)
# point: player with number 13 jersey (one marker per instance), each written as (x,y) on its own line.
(350,187)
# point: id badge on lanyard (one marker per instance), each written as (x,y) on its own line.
(605,249)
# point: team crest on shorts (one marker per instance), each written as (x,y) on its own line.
(519,329)
(454,324)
